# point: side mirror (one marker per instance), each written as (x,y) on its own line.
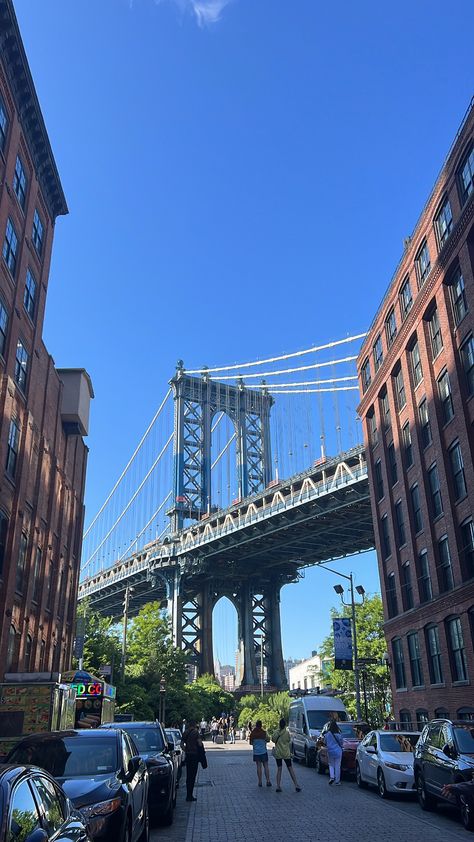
(133,767)
(371,750)
(170,747)
(38,835)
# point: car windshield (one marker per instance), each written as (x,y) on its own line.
(318,718)
(147,739)
(70,757)
(398,742)
(353,731)
(465,737)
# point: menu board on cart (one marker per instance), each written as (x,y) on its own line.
(34,701)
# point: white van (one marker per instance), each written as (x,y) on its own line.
(308,715)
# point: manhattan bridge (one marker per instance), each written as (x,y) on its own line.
(247,474)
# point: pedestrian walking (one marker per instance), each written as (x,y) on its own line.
(282,752)
(225,728)
(258,740)
(203,728)
(333,741)
(232,730)
(214,729)
(194,749)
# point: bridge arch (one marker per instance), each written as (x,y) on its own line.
(225,633)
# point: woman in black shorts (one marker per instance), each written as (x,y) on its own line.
(281,753)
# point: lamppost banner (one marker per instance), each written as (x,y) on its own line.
(342,629)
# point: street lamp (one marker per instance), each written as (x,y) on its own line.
(162,711)
(261,637)
(361,591)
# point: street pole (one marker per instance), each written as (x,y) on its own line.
(356,660)
(261,666)
(126,604)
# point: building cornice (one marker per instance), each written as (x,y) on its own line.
(16,66)
(419,304)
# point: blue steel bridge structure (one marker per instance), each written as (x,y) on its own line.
(233,490)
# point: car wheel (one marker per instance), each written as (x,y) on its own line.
(467,814)
(320,767)
(360,782)
(425,800)
(145,834)
(381,785)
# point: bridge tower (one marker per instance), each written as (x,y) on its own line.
(197,401)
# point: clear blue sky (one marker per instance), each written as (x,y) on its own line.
(240,178)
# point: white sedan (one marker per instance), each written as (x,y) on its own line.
(385,759)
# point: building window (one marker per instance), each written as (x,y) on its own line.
(385,407)
(19,182)
(399,663)
(3,124)
(38,233)
(435,333)
(21,365)
(406,299)
(424,578)
(457,468)
(445,571)
(467,357)
(10,247)
(37,575)
(416,508)
(29,298)
(435,489)
(458,296)
(434,655)
(416,364)
(385,537)
(445,397)
(392,601)
(3,538)
(467,549)
(378,353)
(49,584)
(405,720)
(372,424)
(12,650)
(379,480)
(400,523)
(444,222)
(466,714)
(42,656)
(21,563)
(415,660)
(3,328)
(425,426)
(442,713)
(407,588)
(457,653)
(390,327)
(366,376)
(27,658)
(400,389)
(466,176)
(13,446)
(392,463)
(407,445)
(423,264)
(422,719)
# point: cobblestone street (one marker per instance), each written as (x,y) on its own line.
(231,808)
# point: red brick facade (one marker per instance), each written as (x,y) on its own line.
(425,545)
(42,473)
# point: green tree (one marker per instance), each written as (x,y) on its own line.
(370,644)
(101,641)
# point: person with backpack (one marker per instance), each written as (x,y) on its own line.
(281,752)
(258,740)
(333,740)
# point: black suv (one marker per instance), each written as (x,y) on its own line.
(162,763)
(444,754)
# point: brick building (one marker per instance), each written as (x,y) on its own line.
(44,411)
(416,371)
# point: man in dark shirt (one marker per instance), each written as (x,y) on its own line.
(191,742)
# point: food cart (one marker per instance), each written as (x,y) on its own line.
(34,702)
(95,699)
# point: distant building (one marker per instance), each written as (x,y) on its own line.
(288,664)
(416,374)
(306,674)
(44,410)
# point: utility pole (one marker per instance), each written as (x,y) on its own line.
(126,604)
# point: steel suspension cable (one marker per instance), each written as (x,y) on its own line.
(146,525)
(291,370)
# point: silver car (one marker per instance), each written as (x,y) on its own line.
(385,760)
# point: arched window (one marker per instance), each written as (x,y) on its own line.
(12,650)
(465,713)
(441,713)
(27,658)
(42,656)
(422,718)
(405,719)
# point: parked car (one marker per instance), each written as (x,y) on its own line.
(385,759)
(308,715)
(160,757)
(462,794)
(34,808)
(444,755)
(102,775)
(174,735)
(352,734)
